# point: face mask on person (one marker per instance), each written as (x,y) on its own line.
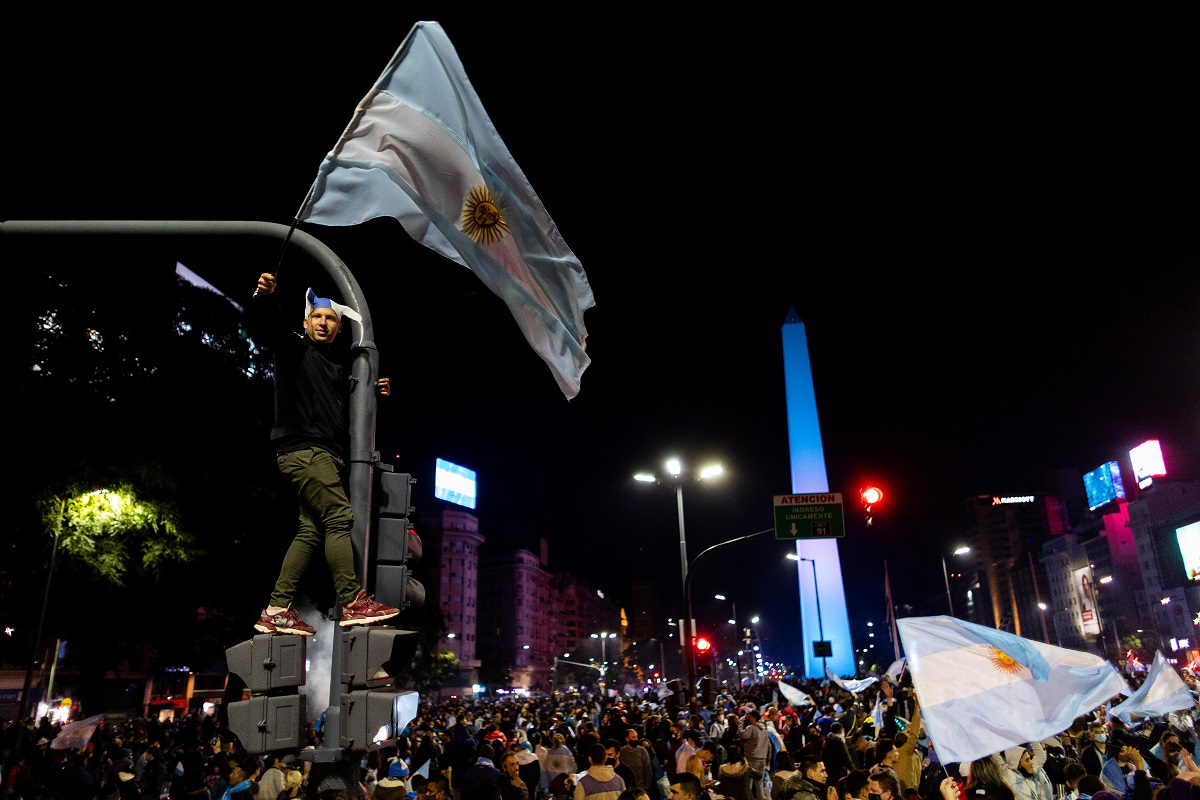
(872,797)
(1101,739)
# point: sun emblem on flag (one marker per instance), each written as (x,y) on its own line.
(1003,662)
(483,218)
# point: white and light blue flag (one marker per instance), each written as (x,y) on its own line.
(853,686)
(982,690)
(76,735)
(422,149)
(1162,692)
(895,670)
(794,696)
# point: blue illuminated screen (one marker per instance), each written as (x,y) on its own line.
(453,483)
(1103,485)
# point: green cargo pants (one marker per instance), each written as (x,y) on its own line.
(326,519)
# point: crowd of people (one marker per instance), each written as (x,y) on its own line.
(744,746)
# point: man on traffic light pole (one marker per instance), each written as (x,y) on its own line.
(312,391)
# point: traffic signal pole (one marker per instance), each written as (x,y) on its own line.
(688,655)
(363,458)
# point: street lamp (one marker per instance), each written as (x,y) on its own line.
(820,621)
(675,474)
(603,637)
(946,575)
(757,649)
(1096,604)
(736,633)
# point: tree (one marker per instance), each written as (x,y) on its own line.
(110,530)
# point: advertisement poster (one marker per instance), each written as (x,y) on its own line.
(1087,600)
(1189,547)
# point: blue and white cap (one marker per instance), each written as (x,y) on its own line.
(313,302)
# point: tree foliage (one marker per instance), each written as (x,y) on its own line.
(110,529)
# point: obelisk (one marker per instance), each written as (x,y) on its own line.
(826,593)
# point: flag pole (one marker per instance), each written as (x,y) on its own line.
(282,250)
(891,611)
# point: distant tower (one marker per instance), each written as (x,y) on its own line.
(808,475)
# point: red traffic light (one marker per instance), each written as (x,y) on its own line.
(871,495)
(703,644)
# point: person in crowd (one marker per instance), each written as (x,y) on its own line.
(860,744)
(585,737)
(436,788)
(600,781)
(512,785)
(717,725)
(884,783)
(1095,752)
(904,756)
(734,776)
(1086,786)
(1073,770)
(154,773)
(691,743)
(989,777)
(529,767)
(613,759)
(633,794)
(560,764)
(1029,779)
(854,786)
(836,754)
(757,749)
(293,782)
(480,774)
(685,786)
(637,759)
(812,783)
(242,773)
(311,436)
(394,785)
(273,780)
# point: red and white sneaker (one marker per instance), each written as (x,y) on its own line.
(285,621)
(365,611)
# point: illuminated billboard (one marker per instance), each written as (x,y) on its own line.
(1189,547)
(1103,485)
(1147,461)
(1085,591)
(453,483)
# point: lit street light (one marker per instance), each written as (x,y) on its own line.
(674,469)
(737,633)
(946,574)
(603,637)
(820,621)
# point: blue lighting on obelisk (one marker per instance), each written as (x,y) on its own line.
(808,475)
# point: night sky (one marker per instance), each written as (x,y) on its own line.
(988,226)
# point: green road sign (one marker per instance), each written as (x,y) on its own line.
(809,516)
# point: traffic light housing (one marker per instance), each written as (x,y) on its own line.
(677,700)
(869,496)
(703,645)
(271,668)
(706,690)
(375,712)
(394,546)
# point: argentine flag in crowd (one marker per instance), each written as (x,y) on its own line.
(851,686)
(422,149)
(894,671)
(794,696)
(983,690)
(1162,692)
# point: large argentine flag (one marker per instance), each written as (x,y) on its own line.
(422,149)
(1162,692)
(984,690)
